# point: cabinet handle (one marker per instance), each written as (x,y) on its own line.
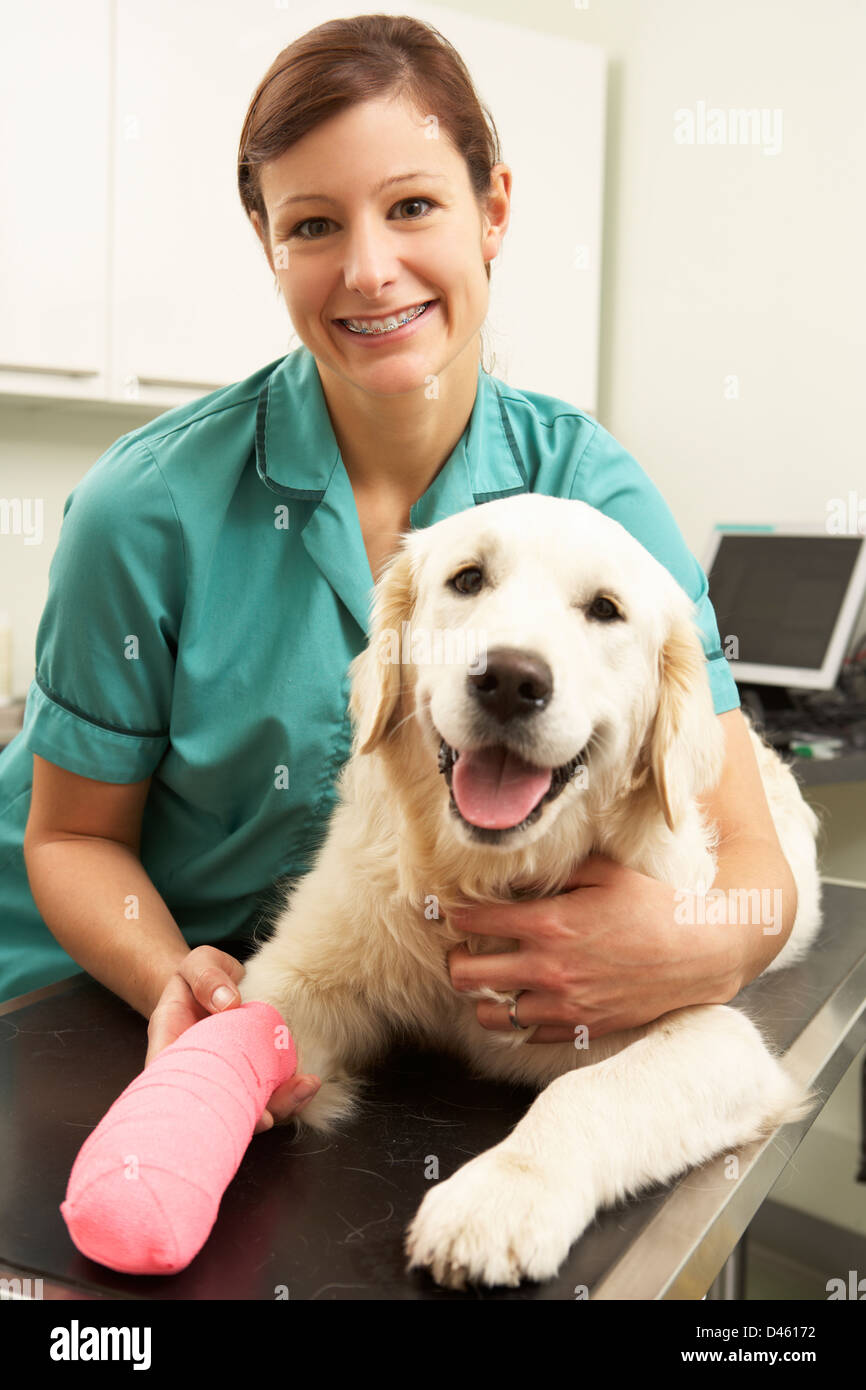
(179,383)
(46,371)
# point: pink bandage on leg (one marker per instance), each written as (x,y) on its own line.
(145,1188)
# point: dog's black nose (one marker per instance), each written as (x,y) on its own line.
(514,683)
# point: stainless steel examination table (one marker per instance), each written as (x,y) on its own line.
(325,1217)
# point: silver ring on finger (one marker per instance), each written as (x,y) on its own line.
(512,1012)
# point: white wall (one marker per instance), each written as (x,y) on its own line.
(721,260)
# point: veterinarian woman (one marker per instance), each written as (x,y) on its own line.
(188,715)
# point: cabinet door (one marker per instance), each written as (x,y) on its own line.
(194,299)
(55,77)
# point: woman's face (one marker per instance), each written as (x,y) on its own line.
(355,250)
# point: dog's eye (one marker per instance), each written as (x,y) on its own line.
(468,581)
(603,608)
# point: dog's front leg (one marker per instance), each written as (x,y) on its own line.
(336,1029)
(698,1083)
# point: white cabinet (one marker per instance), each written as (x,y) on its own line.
(194,299)
(55,80)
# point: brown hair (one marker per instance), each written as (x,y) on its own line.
(346,61)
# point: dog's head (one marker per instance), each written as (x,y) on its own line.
(531,650)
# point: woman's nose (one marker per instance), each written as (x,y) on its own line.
(369,259)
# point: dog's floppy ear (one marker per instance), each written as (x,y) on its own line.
(687,744)
(377,672)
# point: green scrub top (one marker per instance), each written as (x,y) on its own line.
(209,589)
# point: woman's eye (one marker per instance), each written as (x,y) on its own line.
(312,221)
(416,201)
(468,581)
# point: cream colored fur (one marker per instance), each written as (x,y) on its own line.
(357,956)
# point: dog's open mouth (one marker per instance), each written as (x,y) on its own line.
(493,788)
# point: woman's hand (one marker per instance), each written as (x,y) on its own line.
(607,952)
(192,993)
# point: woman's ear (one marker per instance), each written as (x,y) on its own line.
(377,672)
(687,745)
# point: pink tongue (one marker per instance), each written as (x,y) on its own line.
(494,788)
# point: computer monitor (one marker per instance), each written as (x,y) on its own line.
(790,595)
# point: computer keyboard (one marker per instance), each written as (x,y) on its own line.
(848,737)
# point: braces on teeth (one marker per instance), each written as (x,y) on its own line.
(397,323)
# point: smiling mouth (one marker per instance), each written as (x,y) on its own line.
(388,323)
(494,790)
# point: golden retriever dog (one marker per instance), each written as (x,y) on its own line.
(534,690)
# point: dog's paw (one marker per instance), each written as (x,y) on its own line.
(501,1218)
(337,1101)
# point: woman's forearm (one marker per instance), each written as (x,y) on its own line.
(760,901)
(96,898)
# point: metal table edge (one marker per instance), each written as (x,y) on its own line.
(682,1249)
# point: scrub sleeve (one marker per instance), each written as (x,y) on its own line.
(100,701)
